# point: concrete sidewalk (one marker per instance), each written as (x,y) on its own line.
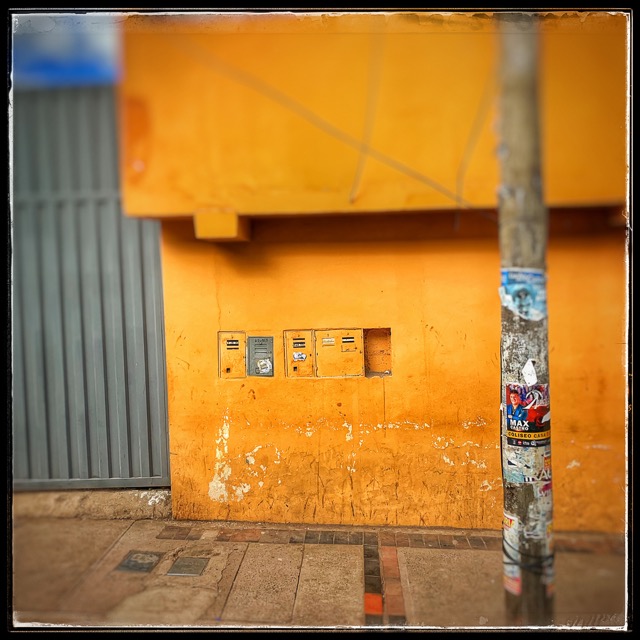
(136,568)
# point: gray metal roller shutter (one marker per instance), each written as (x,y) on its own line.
(89,381)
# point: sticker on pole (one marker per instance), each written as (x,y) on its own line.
(524,292)
(526,465)
(528,415)
(512,574)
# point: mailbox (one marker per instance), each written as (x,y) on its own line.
(299,353)
(260,356)
(231,354)
(339,352)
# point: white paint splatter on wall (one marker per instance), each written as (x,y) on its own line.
(478,422)
(222,470)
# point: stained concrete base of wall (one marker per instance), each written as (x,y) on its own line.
(129,504)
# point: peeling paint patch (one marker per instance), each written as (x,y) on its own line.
(442,443)
(349,430)
(249,456)
(241,490)
(478,422)
(573,464)
(486,486)
(222,471)
(448,460)
(604,447)
(156,497)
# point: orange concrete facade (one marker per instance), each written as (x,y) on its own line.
(335,176)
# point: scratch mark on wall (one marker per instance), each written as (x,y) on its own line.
(573,464)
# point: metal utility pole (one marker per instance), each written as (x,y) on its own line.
(527,536)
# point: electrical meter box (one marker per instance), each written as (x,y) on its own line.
(299,353)
(231,354)
(260,356)
(339,352)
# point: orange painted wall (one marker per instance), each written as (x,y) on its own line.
(315,113)
(274,118)
(420,447)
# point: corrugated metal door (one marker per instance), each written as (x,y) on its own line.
(89,383)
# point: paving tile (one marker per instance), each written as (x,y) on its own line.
(388,553)
(341,537)
(392,586)
(397,621)
(493,543)
(331,586)
(265,587)
(140,561)
(477,543)
(312,537)
(387,539)
(195,535)
(452,588)
(373,621)
(356,537)
(187,566)
(370,551)
(415,540)
(373,604)
(326,537)
(402,540)
(173,533)
(431,541)
(446,542)
(394,604)
(274,536)
(461,542)
(245,535)
(296,537)
(370,538)
(371,567)
(372,584)
(390,569)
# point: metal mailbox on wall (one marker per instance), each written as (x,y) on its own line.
(260,356)
(339,353)
(232,348)
(308,353)
(299,353)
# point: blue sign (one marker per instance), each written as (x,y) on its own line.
(54,50)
